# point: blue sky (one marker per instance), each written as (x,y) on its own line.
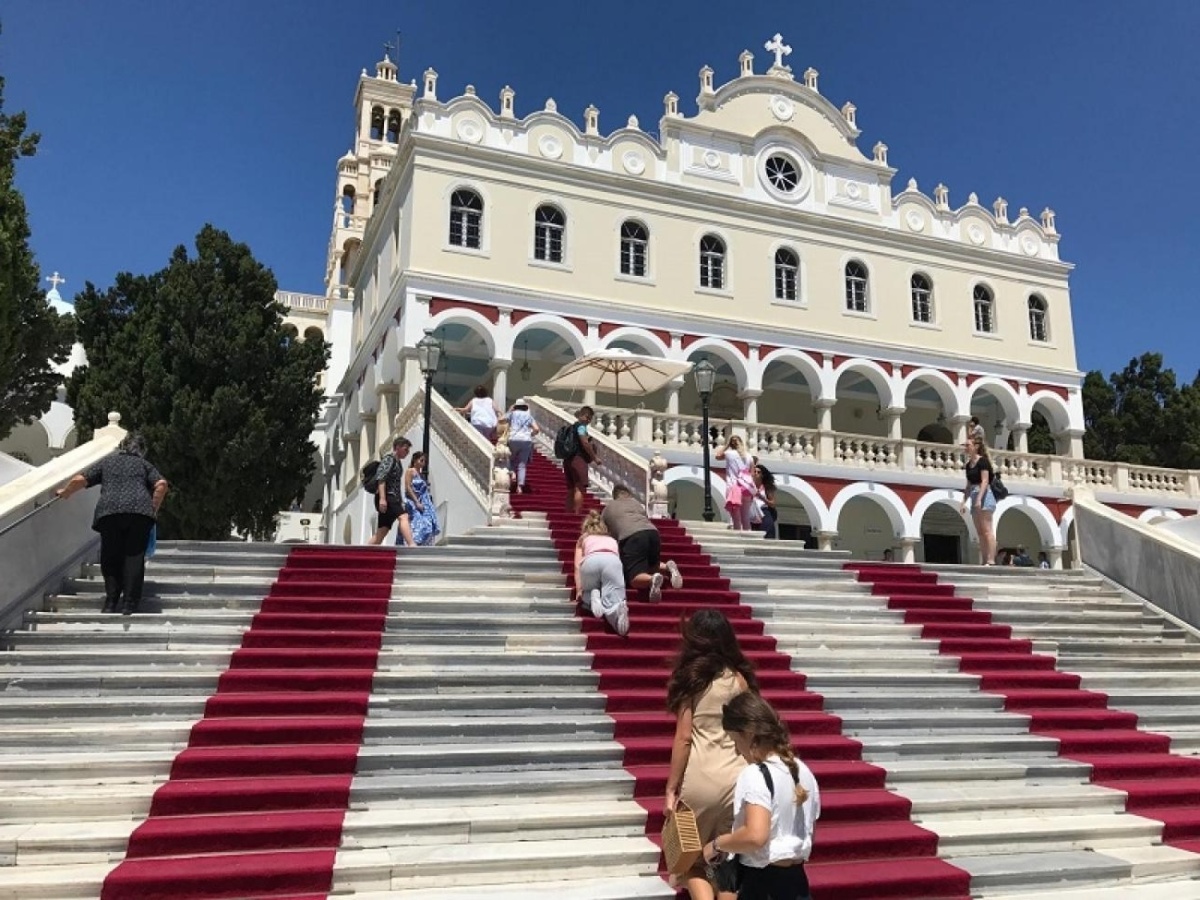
(157,117)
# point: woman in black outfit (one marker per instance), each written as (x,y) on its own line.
(765,482)
(131,491)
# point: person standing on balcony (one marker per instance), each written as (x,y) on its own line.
(599,582)
(711,670)
(975,430)
(739,483)
(418,503)
(978,498)
(482,413)
(521,431)
(131,491)
(640,544)
(389,496)
(575,465)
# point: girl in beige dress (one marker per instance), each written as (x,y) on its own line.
(710,671)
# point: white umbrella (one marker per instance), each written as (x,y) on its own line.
(617,371)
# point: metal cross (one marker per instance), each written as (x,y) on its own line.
(388,47)
(55,280)
(779,48)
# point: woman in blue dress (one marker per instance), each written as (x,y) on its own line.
(419,502)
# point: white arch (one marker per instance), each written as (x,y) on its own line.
(818,512)
(875,374)
(1064,527)
(1158,513)
(368,400)
(1042,518)
(728,354)
(473,320)
(389,358)
(940,382)
(648,340)
(949,496)
(888,500)
(1060,411)
(809,368)
(1003,392)
(554,324)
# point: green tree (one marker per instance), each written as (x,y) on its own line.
(1134,416)
(32,335)
(196,357)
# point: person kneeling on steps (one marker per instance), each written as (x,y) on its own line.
(641,546)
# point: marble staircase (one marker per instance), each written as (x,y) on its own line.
(1006,807)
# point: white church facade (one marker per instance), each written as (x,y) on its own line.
(855,327)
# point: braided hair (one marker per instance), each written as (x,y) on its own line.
(752,716)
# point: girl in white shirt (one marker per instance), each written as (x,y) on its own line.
(775,806)
(739,483)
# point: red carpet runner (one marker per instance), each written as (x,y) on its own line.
(866,847)
(254,805)
(1159,784)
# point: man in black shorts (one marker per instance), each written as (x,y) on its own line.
(389,496)
(639,543)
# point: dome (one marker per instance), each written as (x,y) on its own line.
(57,303)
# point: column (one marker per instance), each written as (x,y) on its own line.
(673,389)
(825,539)
(367,448)
(908,550)
(958,425)
(1075,450)
(895,423)
(412,380)
(389,395)
(499,369)
(1020,436)
(589,398)
(825,448)
(1055,555)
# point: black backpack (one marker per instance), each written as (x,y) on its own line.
(369,478)
(566,442)
(999,490)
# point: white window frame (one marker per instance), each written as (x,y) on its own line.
(866,287)
(702,268)
(621,239)
(1043,315)
(543,236)
(994,330)
(930,305)
(797,276)
(482,227)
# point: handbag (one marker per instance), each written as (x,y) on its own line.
(152,542)
(681,840)
(997,487)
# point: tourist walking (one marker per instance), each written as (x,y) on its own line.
(131,492)
(389,495)
(739,483)
(521,431)
(977,497)
(764,501)
(577,456)
(418,503)
(599,582)
(711,670)
(640,545)
(482,413)
(776,803)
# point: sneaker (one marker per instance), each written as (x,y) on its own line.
(596,607)
(676,577)
(619,620)
(656,584)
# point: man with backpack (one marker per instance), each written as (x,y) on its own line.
(575,448)
(386,482)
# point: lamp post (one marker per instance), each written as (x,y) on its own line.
(429,356)
(704,372)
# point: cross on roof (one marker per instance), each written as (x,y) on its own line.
(55,280)
(779,48)
(388,47)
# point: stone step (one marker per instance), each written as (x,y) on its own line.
(974,800)
(589,888)
(1153,890)
(959,837)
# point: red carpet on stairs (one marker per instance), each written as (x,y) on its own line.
(866,847)
(254,805)
(1159,785)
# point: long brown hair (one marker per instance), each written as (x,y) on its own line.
(709,648)
(751,715)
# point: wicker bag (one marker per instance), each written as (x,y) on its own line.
(681,840)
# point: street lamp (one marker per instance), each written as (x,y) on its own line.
(429,356)
(705,373)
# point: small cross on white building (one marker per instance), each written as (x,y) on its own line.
(779,48)
(55,280)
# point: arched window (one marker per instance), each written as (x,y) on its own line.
(1039,329)
(377,123)
(712,262)
(635,240)
(856,286)
(787,275)
(549,230)
(985,310)
(922,298)
(466,219)
(393,126)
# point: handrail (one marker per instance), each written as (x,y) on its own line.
(37,508)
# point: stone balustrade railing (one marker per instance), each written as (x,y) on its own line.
(655,430)
(484,467)
(305,302)
(615,463)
